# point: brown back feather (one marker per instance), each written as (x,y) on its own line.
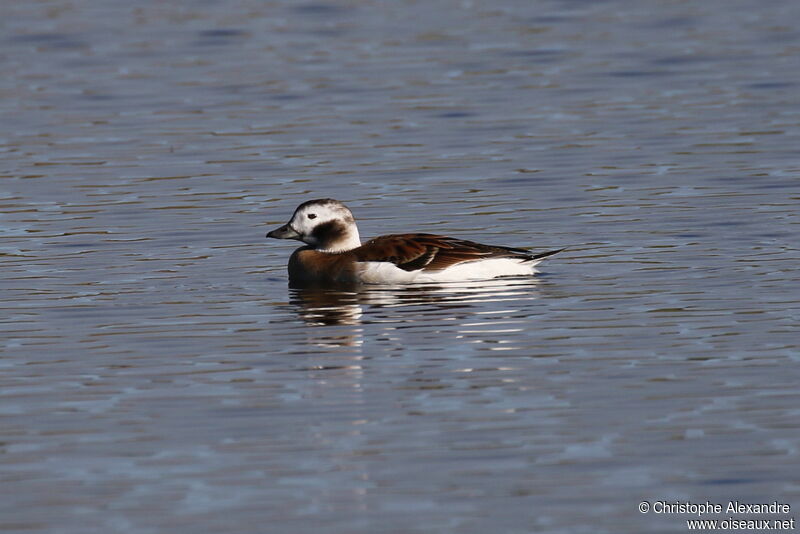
(429,252)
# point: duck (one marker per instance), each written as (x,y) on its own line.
(333,252)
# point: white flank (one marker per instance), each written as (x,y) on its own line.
(382,272)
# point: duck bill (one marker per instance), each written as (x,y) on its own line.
(284,232)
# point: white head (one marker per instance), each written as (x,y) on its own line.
(325,224)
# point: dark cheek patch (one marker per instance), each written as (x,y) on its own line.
(327,233)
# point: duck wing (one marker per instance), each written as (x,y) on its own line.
(430,252)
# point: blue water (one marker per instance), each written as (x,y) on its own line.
(157,374)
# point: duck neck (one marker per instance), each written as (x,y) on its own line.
(344,240)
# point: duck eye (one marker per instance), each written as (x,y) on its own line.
(312,215)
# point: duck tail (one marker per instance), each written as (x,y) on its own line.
(542,255)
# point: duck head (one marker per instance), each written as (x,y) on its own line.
(325,224)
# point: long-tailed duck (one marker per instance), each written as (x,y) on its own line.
(335,254)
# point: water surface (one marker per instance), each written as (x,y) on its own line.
(159,375)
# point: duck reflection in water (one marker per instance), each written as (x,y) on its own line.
(322,305)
